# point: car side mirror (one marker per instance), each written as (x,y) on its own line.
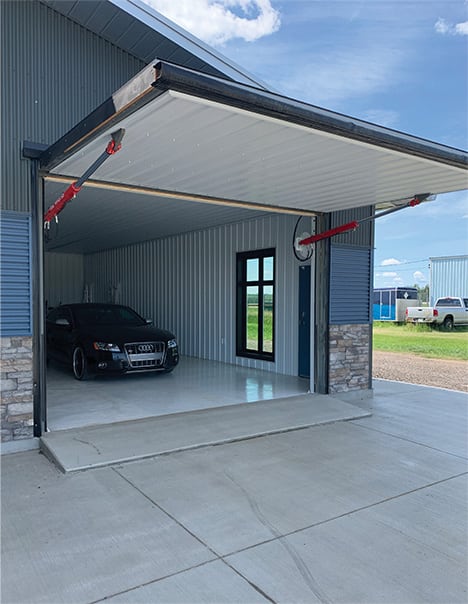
(64,322)
(149,321)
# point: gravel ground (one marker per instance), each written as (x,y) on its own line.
(419,370)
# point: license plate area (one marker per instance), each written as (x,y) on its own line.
(145,354)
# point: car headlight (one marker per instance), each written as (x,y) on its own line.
(172,344)
(106,346)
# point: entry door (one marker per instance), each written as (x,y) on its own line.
(304,321)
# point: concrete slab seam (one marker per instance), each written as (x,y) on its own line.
(352,512)
(251,583)
(168,514)
(183,527)
(408,440)
(146,583)
(277,536)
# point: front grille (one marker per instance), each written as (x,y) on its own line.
(145,355)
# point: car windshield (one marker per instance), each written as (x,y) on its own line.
(107,315)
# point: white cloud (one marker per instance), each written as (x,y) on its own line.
(443,27)
(462,28)
(389,261)
(216,22)
(389,274)
(327,78)
(419,277)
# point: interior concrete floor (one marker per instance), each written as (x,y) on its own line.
(194,384)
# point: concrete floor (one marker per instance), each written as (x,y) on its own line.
(194,384)
(365,511)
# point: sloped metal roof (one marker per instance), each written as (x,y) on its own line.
(143,32)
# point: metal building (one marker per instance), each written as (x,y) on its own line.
(448,276)
(212,166)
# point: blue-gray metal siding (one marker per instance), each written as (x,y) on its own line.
(15,274)
(350,285)
(186,283)
(54,72)
(362,235)
(448,277)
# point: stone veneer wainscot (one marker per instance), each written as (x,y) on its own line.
(349,358)
(16,388)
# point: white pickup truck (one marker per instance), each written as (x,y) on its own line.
(446,312)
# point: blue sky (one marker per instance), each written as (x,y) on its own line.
(397,63)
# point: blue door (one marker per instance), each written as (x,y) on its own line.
(304,321)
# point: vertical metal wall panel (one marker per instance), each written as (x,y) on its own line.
(64,278)
(350,285)
(54,72)
(187,283)
(15,274)
(449,277)
(361,236)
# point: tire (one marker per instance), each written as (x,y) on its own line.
(448,324)
(80,365)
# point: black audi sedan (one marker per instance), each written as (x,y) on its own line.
(107,338)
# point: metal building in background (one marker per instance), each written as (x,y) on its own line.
(448,277)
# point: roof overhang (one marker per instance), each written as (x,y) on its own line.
(138,29)
(197,137)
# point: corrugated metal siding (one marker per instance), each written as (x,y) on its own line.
(186,283)
(350,285)
(54,72)
(15,274)
(140,39)
(449,277)
(64,278)
(361,236)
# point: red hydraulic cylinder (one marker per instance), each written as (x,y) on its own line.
(61,202)
(336,231)
(114,145)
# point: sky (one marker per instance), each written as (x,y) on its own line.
(397,63)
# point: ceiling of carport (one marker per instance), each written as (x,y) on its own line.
(101,218)
(192,135)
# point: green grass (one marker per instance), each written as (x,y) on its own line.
(252,328)
(421,340)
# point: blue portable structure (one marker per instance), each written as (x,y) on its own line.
(390,303)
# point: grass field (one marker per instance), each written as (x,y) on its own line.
(252,328)
(421,340)
(391,337)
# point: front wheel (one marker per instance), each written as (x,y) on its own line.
(448,324)
(80,365)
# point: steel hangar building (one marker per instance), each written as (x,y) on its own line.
(215,171)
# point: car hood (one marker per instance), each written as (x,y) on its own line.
(123,333)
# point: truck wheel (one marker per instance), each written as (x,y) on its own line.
(448,323)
